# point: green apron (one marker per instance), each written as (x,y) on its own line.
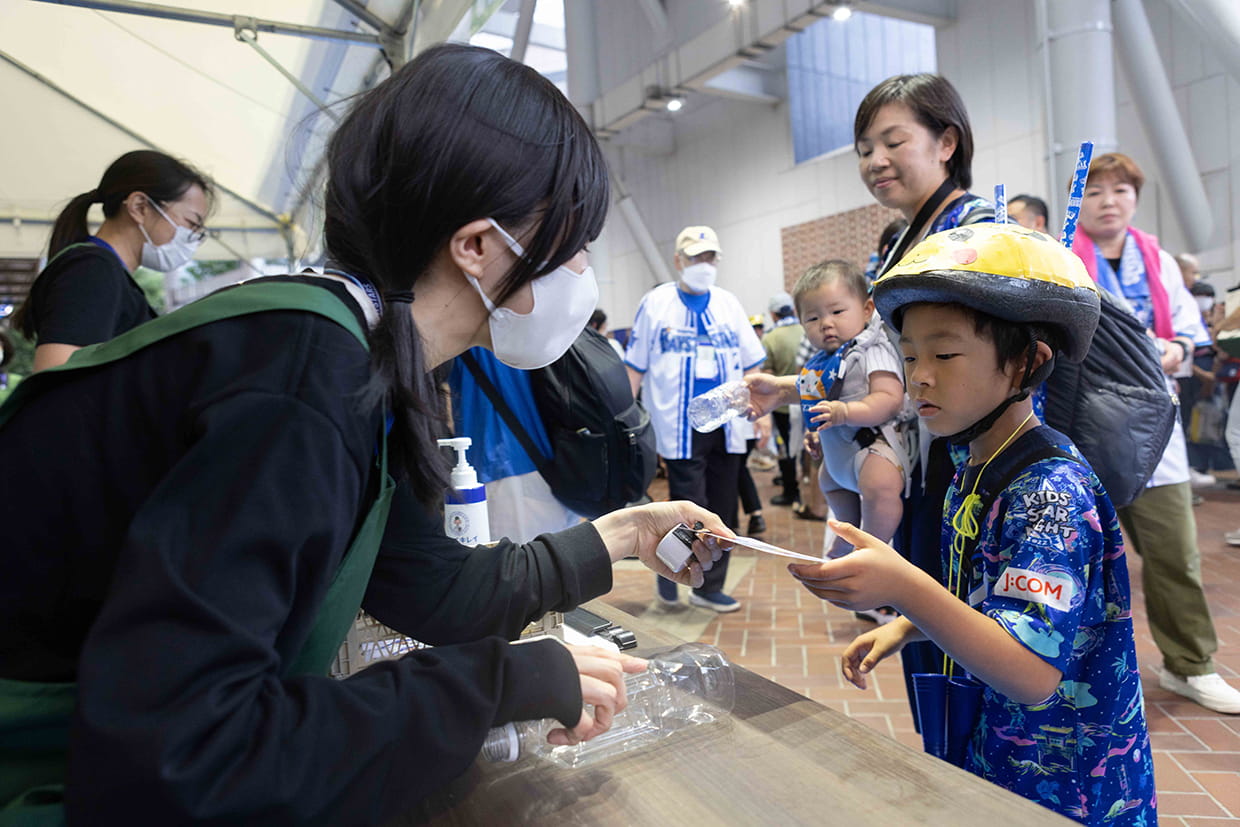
(35,717)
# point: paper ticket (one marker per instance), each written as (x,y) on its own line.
(767,548)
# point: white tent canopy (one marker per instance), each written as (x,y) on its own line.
(80,86)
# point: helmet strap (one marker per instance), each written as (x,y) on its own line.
(1031,380)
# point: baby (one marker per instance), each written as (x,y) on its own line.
(852,396)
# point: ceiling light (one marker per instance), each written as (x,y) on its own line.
(841,13)
(736,4)
(675,104)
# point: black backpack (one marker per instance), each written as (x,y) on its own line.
(1115,405)
(602,443)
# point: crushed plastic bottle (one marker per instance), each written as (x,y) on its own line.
(682,687)
(715,407)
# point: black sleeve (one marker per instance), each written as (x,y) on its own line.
(80,301)
(435,590)
(182,715)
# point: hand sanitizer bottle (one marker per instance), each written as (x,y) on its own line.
(465,504)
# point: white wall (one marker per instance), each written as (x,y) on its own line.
(729,164)
(1209,104)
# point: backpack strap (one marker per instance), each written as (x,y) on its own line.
(505,412)
(243,300)
(1031,456)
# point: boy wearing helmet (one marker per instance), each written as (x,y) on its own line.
(1034,601)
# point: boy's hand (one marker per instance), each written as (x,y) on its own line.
(811,445)
(873,575)
(828,414)
(866,650)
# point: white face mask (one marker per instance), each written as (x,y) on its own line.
(699,277)
(1205,303)
(563,302)
(177,251)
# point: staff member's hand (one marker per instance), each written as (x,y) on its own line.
(602,691)
(636,532)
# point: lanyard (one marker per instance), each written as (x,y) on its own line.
(914,230)
(365,286)
(965,528)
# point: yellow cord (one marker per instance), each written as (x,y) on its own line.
(965,527)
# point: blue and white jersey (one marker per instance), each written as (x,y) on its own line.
(685,345)
(1049,568)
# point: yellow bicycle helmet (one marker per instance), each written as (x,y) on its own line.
(1004,270)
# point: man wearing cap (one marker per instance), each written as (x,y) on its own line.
(688,337)
(781,360)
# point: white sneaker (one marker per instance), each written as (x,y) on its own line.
(1211,691)
(1197,479)
(1232,538)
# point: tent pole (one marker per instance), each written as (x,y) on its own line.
(231,21)
(250,38)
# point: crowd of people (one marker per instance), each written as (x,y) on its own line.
(208,497)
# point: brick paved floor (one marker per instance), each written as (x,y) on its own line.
(786,634)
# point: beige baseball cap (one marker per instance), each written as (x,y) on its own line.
(693,241)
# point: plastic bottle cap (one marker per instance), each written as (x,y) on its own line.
(514,743)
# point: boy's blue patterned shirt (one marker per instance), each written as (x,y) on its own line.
(1050,569)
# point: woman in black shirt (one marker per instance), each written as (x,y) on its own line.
(154,207)
(170,551)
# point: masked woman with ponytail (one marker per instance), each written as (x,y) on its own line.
(154,207)
(229,482)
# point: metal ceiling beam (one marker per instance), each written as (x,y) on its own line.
(230,21)
(521,35)
(108,119)
(251,39)
(19,220)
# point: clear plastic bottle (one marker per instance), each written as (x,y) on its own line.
(682,687)
(715,407)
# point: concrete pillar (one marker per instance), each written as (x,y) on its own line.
(1160,118)
(1080,78)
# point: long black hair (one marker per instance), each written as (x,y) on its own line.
(937,106)
(161,177)
(456,135)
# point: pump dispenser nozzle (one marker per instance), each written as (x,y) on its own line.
(463,474)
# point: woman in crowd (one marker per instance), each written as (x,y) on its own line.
(195,508)
(154,207)
(914,149)
(915,153)
(1159,524)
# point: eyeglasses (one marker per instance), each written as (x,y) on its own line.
(197,230)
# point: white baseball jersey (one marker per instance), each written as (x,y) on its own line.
(664,346)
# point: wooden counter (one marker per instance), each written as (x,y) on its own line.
(781,759)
